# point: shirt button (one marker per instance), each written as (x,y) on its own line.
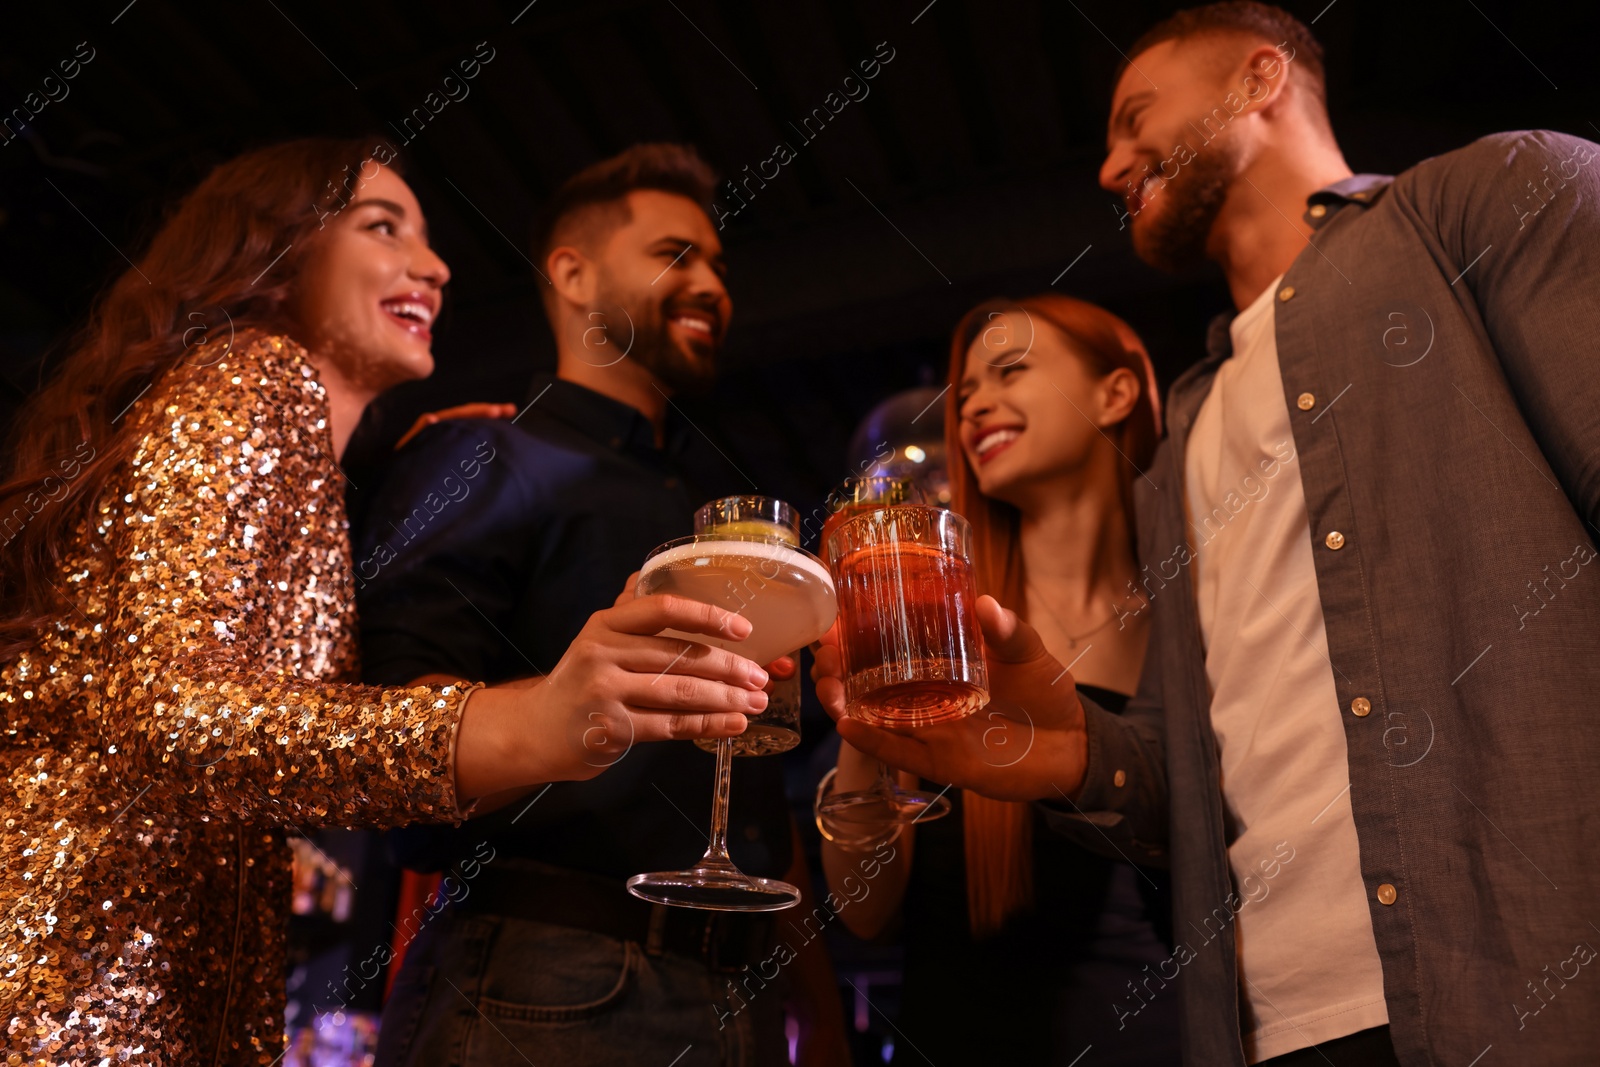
(1387,894)
(672,483)
(1334,540)
(1119,779)
(616,442)
(1318,210)
(1361,707)
(1286,293)
(1305,402)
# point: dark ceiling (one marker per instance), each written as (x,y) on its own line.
(968,170)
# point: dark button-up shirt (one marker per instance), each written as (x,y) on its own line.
(487,549)
(1444,326)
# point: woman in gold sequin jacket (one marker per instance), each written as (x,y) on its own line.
(177,623)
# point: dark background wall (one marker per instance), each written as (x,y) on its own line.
(967,172)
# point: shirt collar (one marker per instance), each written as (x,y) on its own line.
(610,423)
(1323,204)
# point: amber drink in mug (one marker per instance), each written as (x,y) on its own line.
(908,632)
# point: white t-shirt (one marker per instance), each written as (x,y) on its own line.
(1308,964)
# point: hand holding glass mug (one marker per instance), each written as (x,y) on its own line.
(1026,744)
(911,652)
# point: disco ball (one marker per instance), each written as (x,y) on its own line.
(903,437)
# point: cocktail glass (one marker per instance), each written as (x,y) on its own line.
(788,597)
(777,729)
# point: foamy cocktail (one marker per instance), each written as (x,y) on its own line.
(786,595)
(747,567)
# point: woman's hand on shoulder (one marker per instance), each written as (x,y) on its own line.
(478,410)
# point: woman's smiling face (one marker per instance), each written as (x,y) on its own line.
(1030,407)
(370,288)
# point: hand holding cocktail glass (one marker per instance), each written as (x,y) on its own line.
(1028,743)
(618,684)
(745,558)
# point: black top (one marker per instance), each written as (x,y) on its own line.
(1054,980)
(487,548)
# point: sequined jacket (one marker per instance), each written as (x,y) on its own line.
(191,706)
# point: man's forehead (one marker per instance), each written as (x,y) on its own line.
(659,213)
(1139,75)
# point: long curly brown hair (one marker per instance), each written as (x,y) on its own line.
(224,261)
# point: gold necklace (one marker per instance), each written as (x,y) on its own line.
(1072,642)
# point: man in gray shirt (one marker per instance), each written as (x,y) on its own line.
(1364,739)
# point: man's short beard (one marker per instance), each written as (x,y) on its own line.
(653,347)
(1175,239)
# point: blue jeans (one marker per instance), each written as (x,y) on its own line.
(489,991)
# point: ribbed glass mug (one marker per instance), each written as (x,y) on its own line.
(908,632)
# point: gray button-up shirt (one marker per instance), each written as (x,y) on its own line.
(1438,347)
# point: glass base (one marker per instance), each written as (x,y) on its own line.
(853,838)
(714,889)
(871,807)
(925,702)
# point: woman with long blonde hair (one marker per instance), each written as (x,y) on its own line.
(1016,939)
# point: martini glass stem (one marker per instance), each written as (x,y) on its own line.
(885,785)
(717,853)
